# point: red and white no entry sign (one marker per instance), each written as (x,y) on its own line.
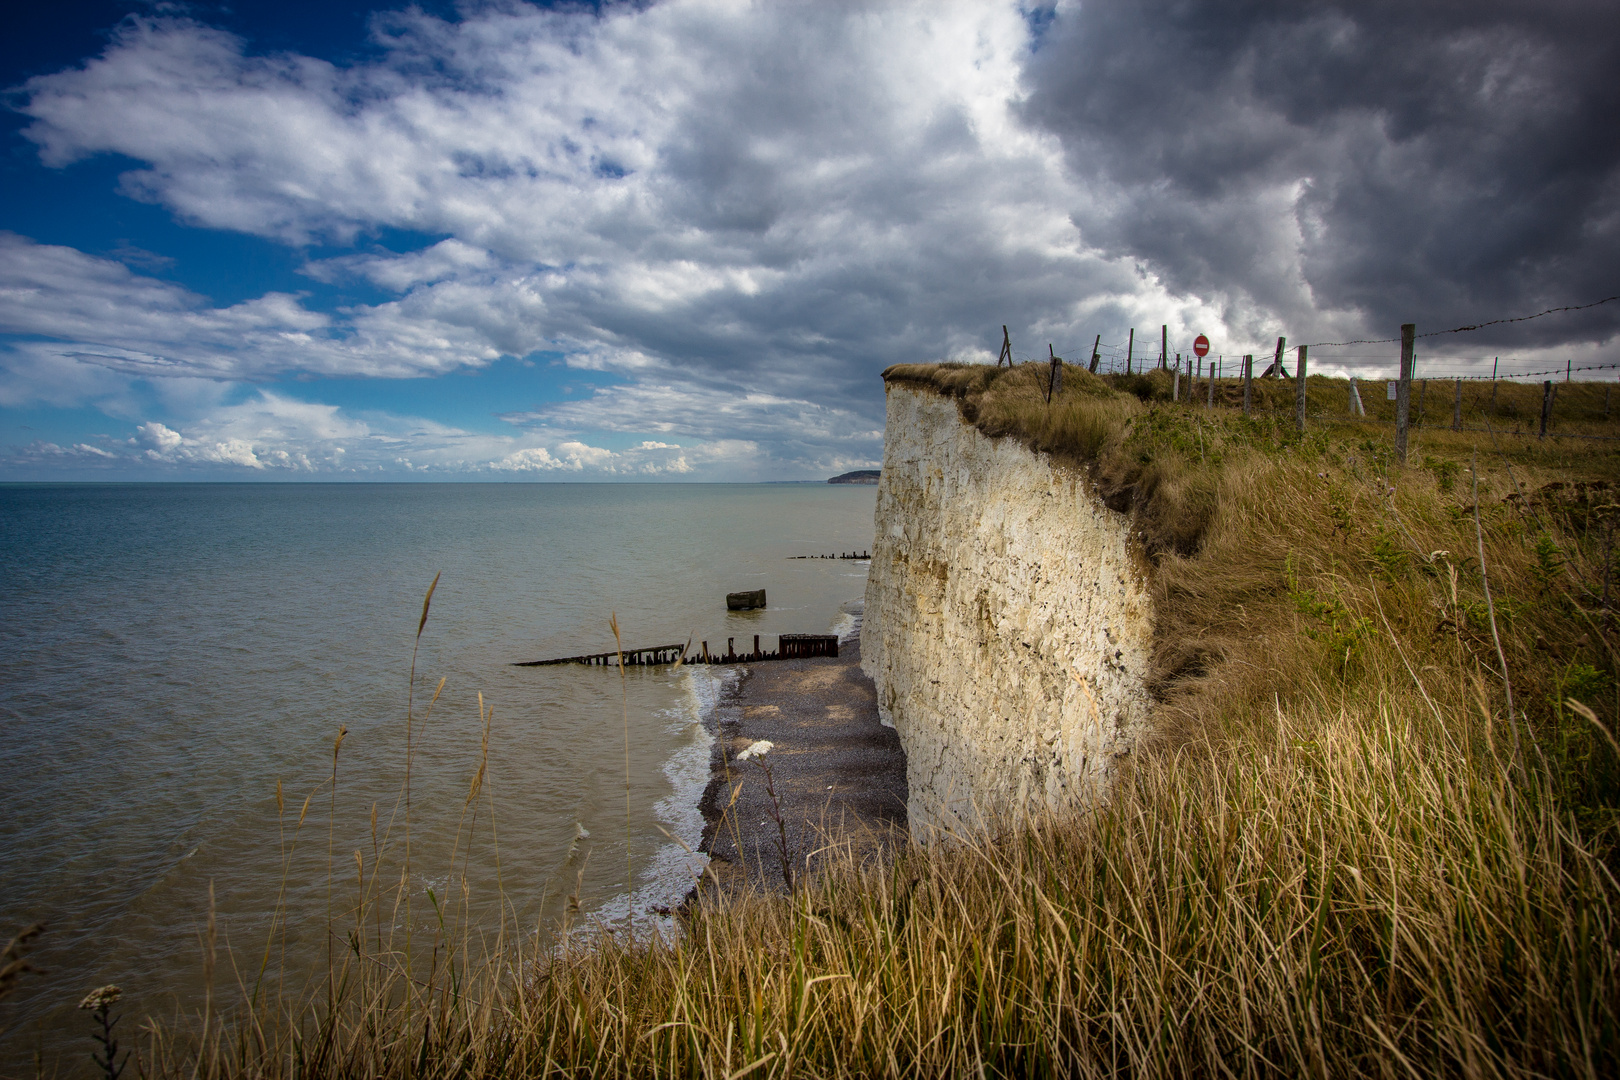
(1201,345)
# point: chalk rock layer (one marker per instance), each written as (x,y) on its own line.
(1007,624)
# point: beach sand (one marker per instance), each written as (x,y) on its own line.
(839,774)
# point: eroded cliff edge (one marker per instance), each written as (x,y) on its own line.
(1008,624)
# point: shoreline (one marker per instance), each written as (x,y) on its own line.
(838,773)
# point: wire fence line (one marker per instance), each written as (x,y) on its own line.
(1114,358)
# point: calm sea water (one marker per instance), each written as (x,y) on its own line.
(170,653)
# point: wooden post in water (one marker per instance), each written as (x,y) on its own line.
(756,646)
(1546,406)
(1248,383)
(1403,392)
(1456,409)
(1299,390)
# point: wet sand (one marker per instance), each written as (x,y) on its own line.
(838,773)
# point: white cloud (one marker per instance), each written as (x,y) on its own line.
(784,197)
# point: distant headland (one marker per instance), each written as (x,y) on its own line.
(859,476)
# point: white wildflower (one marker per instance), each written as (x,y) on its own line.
(756,749)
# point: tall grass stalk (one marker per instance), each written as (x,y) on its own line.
(624,711)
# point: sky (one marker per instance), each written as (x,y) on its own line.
(680,240)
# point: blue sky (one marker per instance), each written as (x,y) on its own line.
(680,240)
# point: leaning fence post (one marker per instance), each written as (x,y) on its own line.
(1299,390)
(1494,362)
(1248,383)
(1094,345)
(1356,408)
(1403,392)
(1456,409)
(1546,406)
(1175,381)
(1276,363)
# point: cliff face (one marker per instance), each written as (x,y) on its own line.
(1007,626)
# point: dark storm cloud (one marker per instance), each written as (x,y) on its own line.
(1432,162)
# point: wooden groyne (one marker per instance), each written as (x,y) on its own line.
(788,647)
(840,555)
(658,654)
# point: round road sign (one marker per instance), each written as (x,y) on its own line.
(1201,345)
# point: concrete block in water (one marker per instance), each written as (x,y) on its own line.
(745,601)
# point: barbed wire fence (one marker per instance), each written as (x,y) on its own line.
(1123,358)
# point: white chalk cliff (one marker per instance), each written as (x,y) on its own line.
(1008,624)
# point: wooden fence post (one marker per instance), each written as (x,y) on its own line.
(1356,407)
(1006,348)
(1403,392)
(1094,354)
(1130,345)
(1494,362)
(1276,363)
(1456,409)
(1299,390)
(1164,346)
(1546,406)
(1606,391)
(1211,404)
(1175,381)
(1054,383)
(1248,384)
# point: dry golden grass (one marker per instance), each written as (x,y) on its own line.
(1345,855)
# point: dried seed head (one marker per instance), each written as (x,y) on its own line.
(101,998)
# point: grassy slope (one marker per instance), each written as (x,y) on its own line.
(1344,856)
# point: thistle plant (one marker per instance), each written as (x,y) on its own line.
(100,1002)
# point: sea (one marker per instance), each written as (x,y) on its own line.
(204,701)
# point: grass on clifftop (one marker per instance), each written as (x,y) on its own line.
(1347,855)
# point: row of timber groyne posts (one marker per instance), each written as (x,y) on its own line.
(788,647)
(658,654)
